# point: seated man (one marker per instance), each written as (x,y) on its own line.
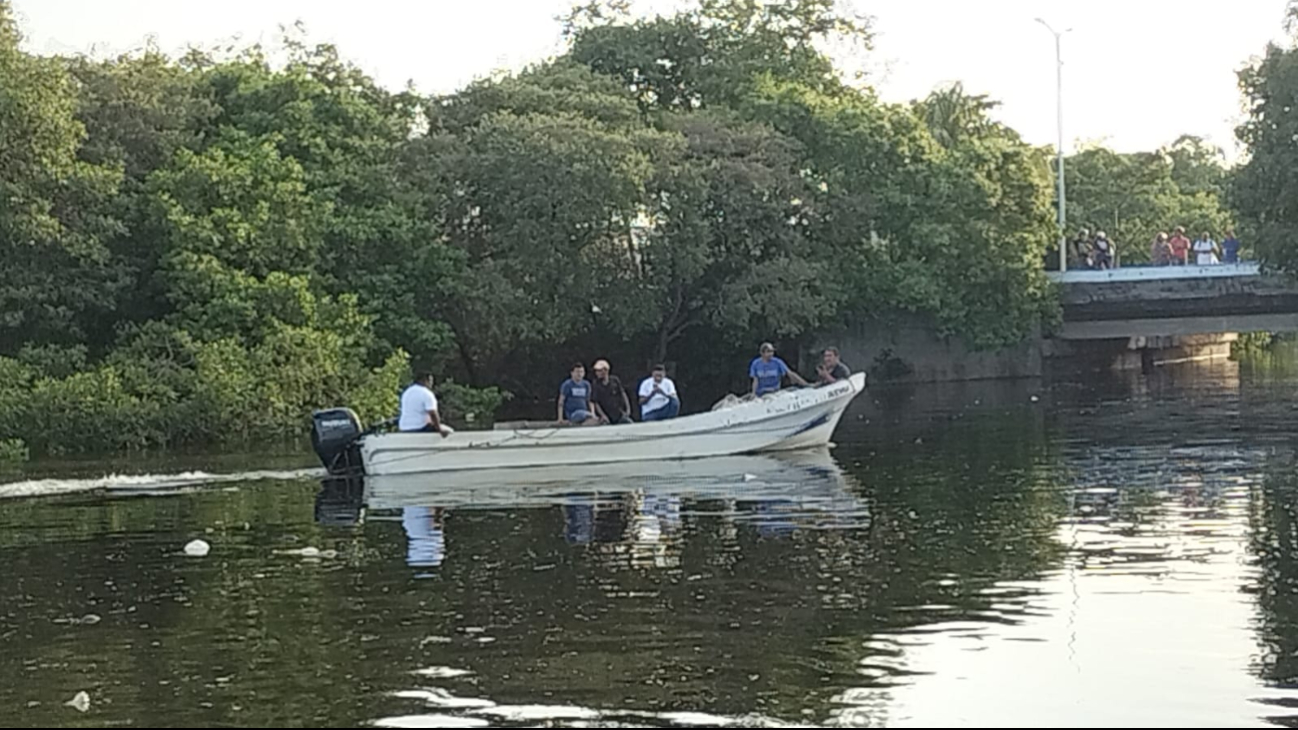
(832,369)
(658,398)
(611,403)
(419,408)
(574,399)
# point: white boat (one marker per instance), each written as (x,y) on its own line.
(787,420)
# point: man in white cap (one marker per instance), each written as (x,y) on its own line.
(609,397)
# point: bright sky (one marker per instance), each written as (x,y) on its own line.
(1138,73)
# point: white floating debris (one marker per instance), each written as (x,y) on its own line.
(443,673)
(309,553)
(198,549)
(1036,399)
(80,703)
(89,619)
(750,477)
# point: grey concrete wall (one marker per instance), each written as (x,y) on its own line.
(928,358)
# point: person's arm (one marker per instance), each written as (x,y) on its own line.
(645,396)
(754,387)
(436,421)
(793,375)
(599,411)
(562,398)
(626,402)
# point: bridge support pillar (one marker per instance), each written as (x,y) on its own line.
(1136,353)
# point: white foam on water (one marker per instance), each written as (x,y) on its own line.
(523,713)
(430,721)
(443,699)
(144,483)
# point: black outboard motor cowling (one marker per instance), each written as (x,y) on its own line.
(335,436)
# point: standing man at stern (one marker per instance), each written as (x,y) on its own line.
(768,372)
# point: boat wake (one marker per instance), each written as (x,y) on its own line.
(145,484)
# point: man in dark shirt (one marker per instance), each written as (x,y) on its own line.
(832,369)
(611,402)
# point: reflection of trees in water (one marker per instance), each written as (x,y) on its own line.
(1273,542)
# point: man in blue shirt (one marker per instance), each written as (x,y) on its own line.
(574,399)
(768,371)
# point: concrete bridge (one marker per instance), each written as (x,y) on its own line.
(1175,301)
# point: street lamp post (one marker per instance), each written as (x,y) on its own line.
(1059,102)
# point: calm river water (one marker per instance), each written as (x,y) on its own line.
(1109,553)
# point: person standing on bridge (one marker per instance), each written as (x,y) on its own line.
(1205,250)
(1230,249)
(1160,253)
(1180,247)
(1104,252)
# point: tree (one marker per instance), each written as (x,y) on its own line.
(726,243)
(540,206)
(711,55)
(1267,183)
(59,277)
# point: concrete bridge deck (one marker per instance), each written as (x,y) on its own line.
(1169,301)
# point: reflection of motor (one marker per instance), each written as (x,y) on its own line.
(335,436)
(339,502)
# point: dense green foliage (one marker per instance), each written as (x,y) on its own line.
(205,249)
(1267,184)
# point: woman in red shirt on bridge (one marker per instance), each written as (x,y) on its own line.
(1180,247)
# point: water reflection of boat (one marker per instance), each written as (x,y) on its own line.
(639,514)
(799,479)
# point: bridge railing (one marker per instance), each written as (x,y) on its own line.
(1155,273)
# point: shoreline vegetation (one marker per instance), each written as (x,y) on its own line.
(201,250)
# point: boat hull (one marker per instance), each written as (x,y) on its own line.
(789,420)
(809,476)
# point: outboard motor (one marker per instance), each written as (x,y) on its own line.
(335,436)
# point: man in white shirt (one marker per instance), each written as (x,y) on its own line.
(419,408)
(658,398)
